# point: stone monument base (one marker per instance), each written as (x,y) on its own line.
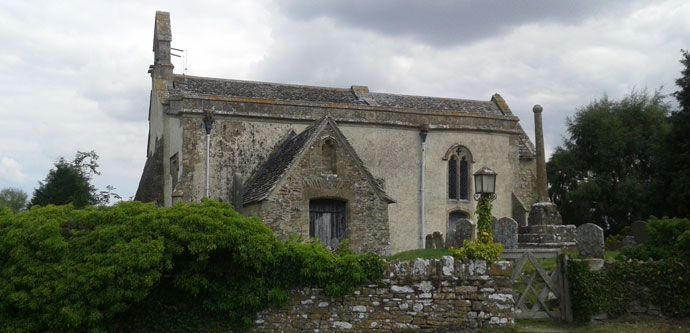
(548,236)
(546,230)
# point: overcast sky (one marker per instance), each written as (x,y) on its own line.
(73,74)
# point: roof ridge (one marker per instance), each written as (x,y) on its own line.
(296,85)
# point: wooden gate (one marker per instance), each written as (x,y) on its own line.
(540,283)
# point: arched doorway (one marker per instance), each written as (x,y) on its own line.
(327,221)
(454,217)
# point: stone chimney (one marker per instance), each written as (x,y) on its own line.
(542,194)
(162,68)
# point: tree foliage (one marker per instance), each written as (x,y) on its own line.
(605,172)
(133,266)
(13,198)
(70,183)
(675,169)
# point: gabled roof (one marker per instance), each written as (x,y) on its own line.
(290,152)
(194,85)
(526,150)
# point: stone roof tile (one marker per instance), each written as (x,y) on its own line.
(277,165)
(289,92)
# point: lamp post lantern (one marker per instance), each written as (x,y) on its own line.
(485,184)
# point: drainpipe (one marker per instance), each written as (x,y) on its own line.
(423,131)
(208,125)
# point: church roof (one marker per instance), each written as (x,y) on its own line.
(526,150)
(354,96)
(288,153)
(346,96)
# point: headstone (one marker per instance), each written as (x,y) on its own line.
(637,230)
(590,240)
(544,213)
(438,240)
(629,241)
(429,242)
(464,229)
(506,232)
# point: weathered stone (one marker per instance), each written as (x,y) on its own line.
(438,240)
(464,229)
(629,241)
(429,241)
(506,232)
(544,213)
(590,240)
(637,230)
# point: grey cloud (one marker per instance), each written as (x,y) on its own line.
(443,23)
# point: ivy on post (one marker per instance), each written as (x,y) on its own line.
(482,248)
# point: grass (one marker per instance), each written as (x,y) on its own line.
(420,253)
(623,324)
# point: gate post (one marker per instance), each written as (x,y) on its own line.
(565,304)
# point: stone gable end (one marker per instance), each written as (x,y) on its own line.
(328,173)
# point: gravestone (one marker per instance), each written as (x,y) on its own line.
(629,241)
(637,230)
(464,229)
(506,232)
(438,240)
(429,242)
(590,240)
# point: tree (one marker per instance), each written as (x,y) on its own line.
(69,182)
(606,170)
(675,177)
(13,198)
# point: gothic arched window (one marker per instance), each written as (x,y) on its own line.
(458,173)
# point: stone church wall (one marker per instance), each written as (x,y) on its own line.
(387,142)
(286,210)
(427,295)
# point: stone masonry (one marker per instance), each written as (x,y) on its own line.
(286,210)
(427,295)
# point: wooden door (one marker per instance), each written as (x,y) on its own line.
(327,221)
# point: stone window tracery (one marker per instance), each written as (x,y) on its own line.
(459,159)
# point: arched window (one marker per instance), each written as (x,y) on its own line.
(327,221)
(459,159)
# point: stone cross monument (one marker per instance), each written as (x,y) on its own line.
(545,227)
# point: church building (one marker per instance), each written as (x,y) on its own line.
(379,169)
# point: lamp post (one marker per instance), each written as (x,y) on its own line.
(485,193)
(485,184)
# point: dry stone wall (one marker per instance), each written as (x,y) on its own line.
(424,295)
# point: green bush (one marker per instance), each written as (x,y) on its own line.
(137,267)
(668,239)
(474,250)
(483,248)
(660,265)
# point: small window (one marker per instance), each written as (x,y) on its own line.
(328,154)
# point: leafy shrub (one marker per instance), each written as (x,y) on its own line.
(663,283)
(137,267)
(474,250)
(668,239)
(483,248)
